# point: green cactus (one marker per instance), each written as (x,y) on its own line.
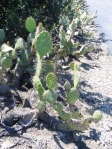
(87,121)
(58,107)
(43,43)
(66,116)
(48,66)
(30,24)
(73,26)
(6,62)
(13,55)
(39,29)
(97,115)
(71,125)
(38,86)
(62,36)
(39,65)
(19,45)
(2,35)
(72,96)
(76,78)
(51,81)
(41,106)
(30,38)
(76,114)
(50,96)
(24,56)
(67,86)
(86,49)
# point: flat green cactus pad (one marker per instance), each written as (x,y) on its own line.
(6,62)
(66,116)
(43,43)
(67,86)
(72,96)
(41,106)
(38,85)
(58,107)
(50,96)
(19,44)
(51,80)
(30,24)
(97,115)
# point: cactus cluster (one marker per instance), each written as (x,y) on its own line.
(40,54)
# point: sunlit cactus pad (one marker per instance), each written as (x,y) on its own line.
(30,24)
(43,43)
(72,96)
(6,62)
(97,115)
(51,81)
(50,96)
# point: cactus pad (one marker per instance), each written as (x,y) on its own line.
(41,106)
(58,107)
(97,115)
(50,96)
(66,116)
(67,86)
(72,96)
(76,78)
(30,38)
(6,62)
(76,115)
(13,55)
(30,24)
(43,43)
(51,81)
(25,59)
(2,35)
(19,44)
(38,86)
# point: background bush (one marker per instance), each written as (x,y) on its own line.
(14,13)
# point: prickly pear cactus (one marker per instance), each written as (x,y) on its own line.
(66,116)
(72,96)
(38,86)
(58,107)
(30,24)
(73,26)
(30,38)
(19,45)
(97,115)
(67,86)
(41,106)
(2,35)
(43,43)
(51,81)
(13,55)
(50,96)
(25,59)
(6,62)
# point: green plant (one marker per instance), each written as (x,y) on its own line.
(97,115)
(42,58)
(30,24)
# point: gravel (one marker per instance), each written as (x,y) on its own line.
(97,93)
